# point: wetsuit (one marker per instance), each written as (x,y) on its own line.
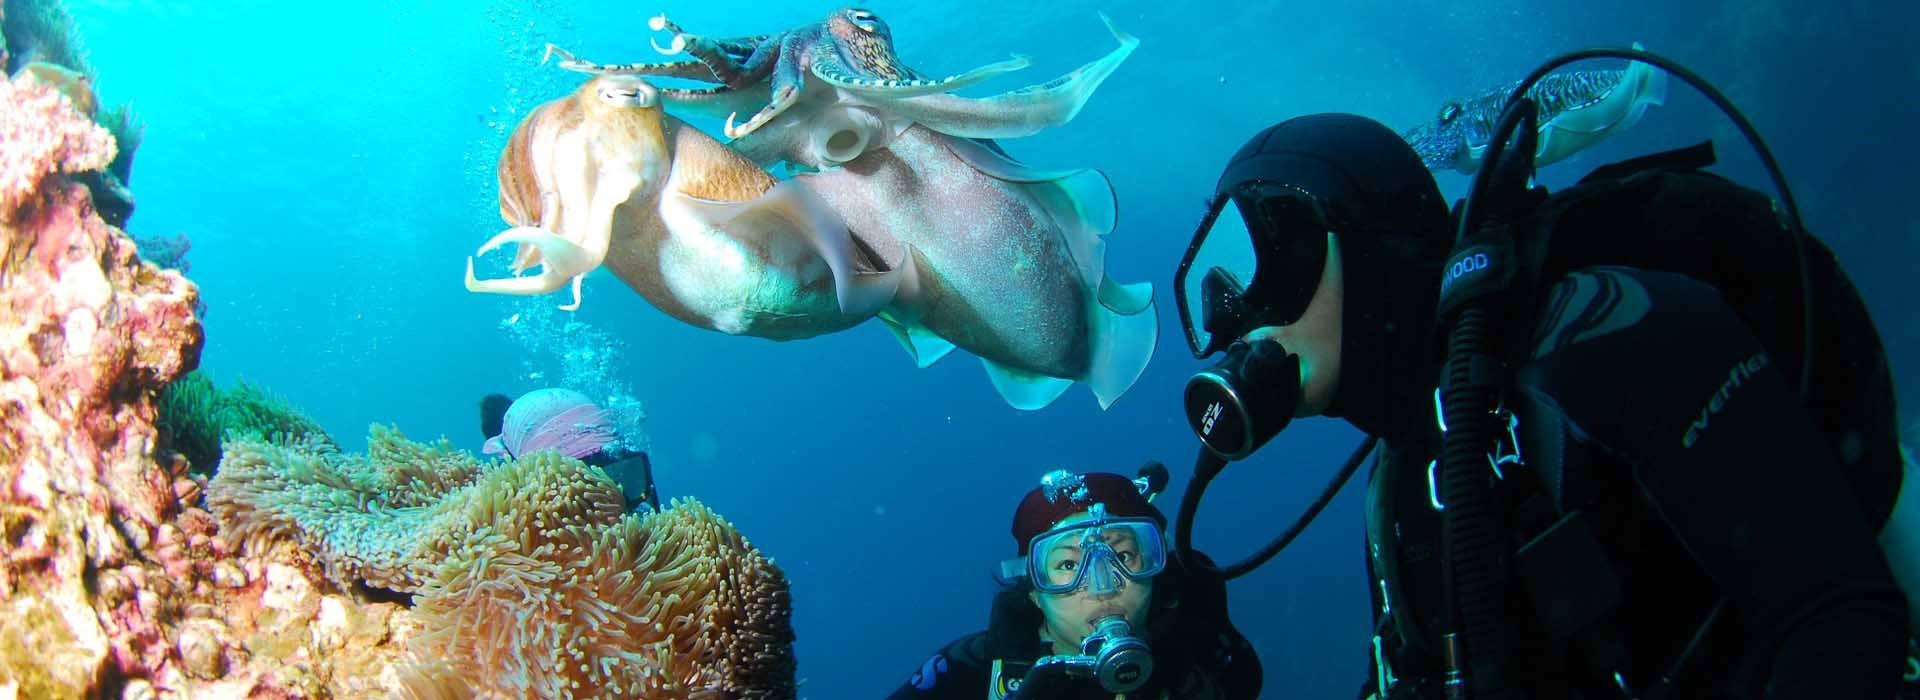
(964,670)
(1198,654)
(633,470)
(1648,406)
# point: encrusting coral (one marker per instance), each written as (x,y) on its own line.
(529,578)
(37,40)
(97,548)
(41,135)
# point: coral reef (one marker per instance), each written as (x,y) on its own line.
(115,582)
(43,137)
(529,580)
(93,531)
(37,39)
(195,416)
(112,582)
(170,253)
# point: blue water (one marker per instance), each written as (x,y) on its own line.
(332,165)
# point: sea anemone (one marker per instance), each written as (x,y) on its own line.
(195,416)
(529,578)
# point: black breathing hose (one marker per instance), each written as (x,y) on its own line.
(1209,466)
(1474,561)
(1798,228)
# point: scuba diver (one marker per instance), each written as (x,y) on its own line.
(1093,607)
(569,422)
(1612,462)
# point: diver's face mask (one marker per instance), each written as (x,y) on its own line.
(1255,261)
(1099,555)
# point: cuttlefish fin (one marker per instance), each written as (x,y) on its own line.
(1122,345)
(1641,86)
(790,209)
(923,345)
(1124,329)
(1023,112)
(1022,390)
(1125,332)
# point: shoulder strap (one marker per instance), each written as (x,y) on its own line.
(1695,157)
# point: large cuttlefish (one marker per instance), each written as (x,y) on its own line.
(948,241)
(825,93)
(604,177)
(1577,109)
(1011,259)
(1010,264)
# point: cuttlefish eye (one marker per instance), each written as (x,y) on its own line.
(627,91)
(865,21)
(1450,111)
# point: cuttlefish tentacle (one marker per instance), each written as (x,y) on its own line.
(672,69)
(837,74)
(528,254)
(1017,113)
(687,70)
(735,63)
(660,23)
(722,65)
(722,59)
(562,259)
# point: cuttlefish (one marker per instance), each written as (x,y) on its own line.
(947,241)
(1010,264)
(603,177)
(852,93)
(1577,110)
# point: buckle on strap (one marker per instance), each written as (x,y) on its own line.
(1505,451)
(1383,674)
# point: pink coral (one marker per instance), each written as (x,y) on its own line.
(113,582)
(88,335)
(42,134)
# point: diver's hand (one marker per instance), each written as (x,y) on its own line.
(1047,681)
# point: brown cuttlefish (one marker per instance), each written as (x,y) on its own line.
(604,177)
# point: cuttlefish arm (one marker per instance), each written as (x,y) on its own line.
(829,66)
(584,161)
(1018,113)
(561,260)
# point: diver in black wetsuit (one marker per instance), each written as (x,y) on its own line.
(1094,608)
(1674,519)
